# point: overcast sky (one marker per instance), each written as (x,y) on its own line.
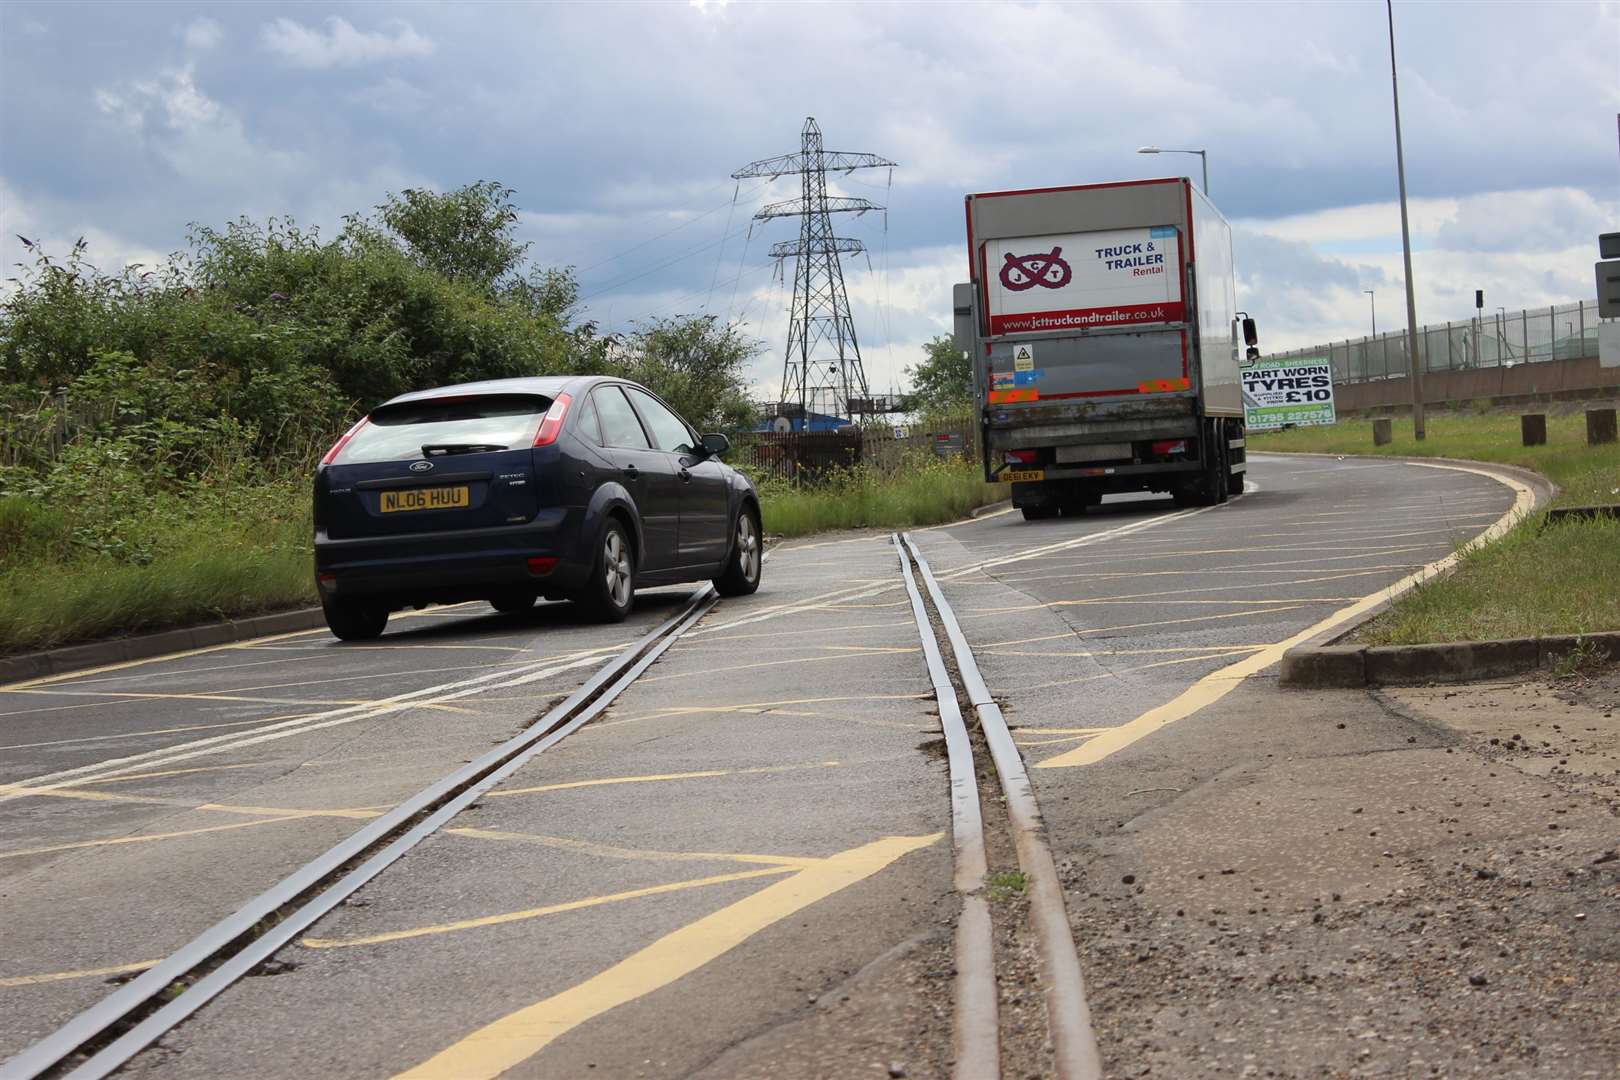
(619,124)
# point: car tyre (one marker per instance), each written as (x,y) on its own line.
(513,602)
(610,591)
(353,620)
(745,563)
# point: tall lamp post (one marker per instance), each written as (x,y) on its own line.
(1204,158)
(1406,239)
(1372,303)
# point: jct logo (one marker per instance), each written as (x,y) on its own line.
(1046,269)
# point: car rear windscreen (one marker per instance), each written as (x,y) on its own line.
(444,426)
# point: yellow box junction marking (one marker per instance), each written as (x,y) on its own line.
(518,1036)
(548,909)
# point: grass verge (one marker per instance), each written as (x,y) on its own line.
(1544,577)
(929,493)
(71,576)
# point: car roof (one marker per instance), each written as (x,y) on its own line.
(543,385)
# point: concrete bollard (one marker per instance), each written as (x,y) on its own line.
(1533,426)
(1383,431)
(1599,426)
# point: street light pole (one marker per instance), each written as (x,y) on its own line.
(1372,302)
(1406,239)
(1202,157)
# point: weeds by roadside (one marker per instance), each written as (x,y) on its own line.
(925,491)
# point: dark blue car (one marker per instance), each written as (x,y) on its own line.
(582,488)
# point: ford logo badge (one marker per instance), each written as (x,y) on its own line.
(421,466)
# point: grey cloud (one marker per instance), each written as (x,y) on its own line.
(341,44)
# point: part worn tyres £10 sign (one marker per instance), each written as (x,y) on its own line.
(1297,392)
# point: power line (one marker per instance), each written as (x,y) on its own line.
(659,266)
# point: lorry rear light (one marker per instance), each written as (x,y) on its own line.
(552,424)
(326,581)
(1022,457)
(338,446)
(543,564)
(1168,446)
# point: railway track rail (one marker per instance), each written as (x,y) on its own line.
(976,1029)
(105,1036)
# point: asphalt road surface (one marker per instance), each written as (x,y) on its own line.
(753,837)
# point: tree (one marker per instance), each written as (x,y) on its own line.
(943,381)
(467,235)
(696,365)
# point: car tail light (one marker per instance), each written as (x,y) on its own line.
(1022,457)
(1169,446)
(338,446)
(553,422)
(543,564)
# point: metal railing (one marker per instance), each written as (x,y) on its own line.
(1495,339)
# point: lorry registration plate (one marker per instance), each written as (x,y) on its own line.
(1022,476)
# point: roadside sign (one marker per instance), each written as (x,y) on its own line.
(948,445)
(1297,391)
(1609,245)
(1024,358)
(1608,289)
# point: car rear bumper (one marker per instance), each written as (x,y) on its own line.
(447,567)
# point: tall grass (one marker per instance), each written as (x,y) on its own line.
(212,567)
(924,493)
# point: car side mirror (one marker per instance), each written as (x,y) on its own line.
(715,443)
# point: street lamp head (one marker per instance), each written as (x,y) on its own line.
(1148,150)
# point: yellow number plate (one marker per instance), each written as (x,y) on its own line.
(1022,476)
(445,498)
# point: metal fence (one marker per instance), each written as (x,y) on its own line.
(1496,339)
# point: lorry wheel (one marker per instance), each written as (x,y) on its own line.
(1076,505)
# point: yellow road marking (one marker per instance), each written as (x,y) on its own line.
(143,838)
(519,1035)
(657,777)
(609,851)
(45,680)
(173,772)
(86,973)
(1120,652)
(1216,685)
(1127,671)
(778,663)
(540,912)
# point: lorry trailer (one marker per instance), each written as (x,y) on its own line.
(1103,324)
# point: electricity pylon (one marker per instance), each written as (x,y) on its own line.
(823,383)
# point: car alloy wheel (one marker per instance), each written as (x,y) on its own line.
(616,568)
(747,546)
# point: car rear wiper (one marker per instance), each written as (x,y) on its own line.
(440,449)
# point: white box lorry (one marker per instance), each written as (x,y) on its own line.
(1103,324)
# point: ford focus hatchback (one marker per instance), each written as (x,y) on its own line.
(578,488)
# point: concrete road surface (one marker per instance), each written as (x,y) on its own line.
(742,867)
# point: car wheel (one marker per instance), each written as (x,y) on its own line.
(351,620)
(611,590)
(745,562)
(512,602)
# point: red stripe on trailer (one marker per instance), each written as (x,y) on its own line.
(1083,318)
(1075,187)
